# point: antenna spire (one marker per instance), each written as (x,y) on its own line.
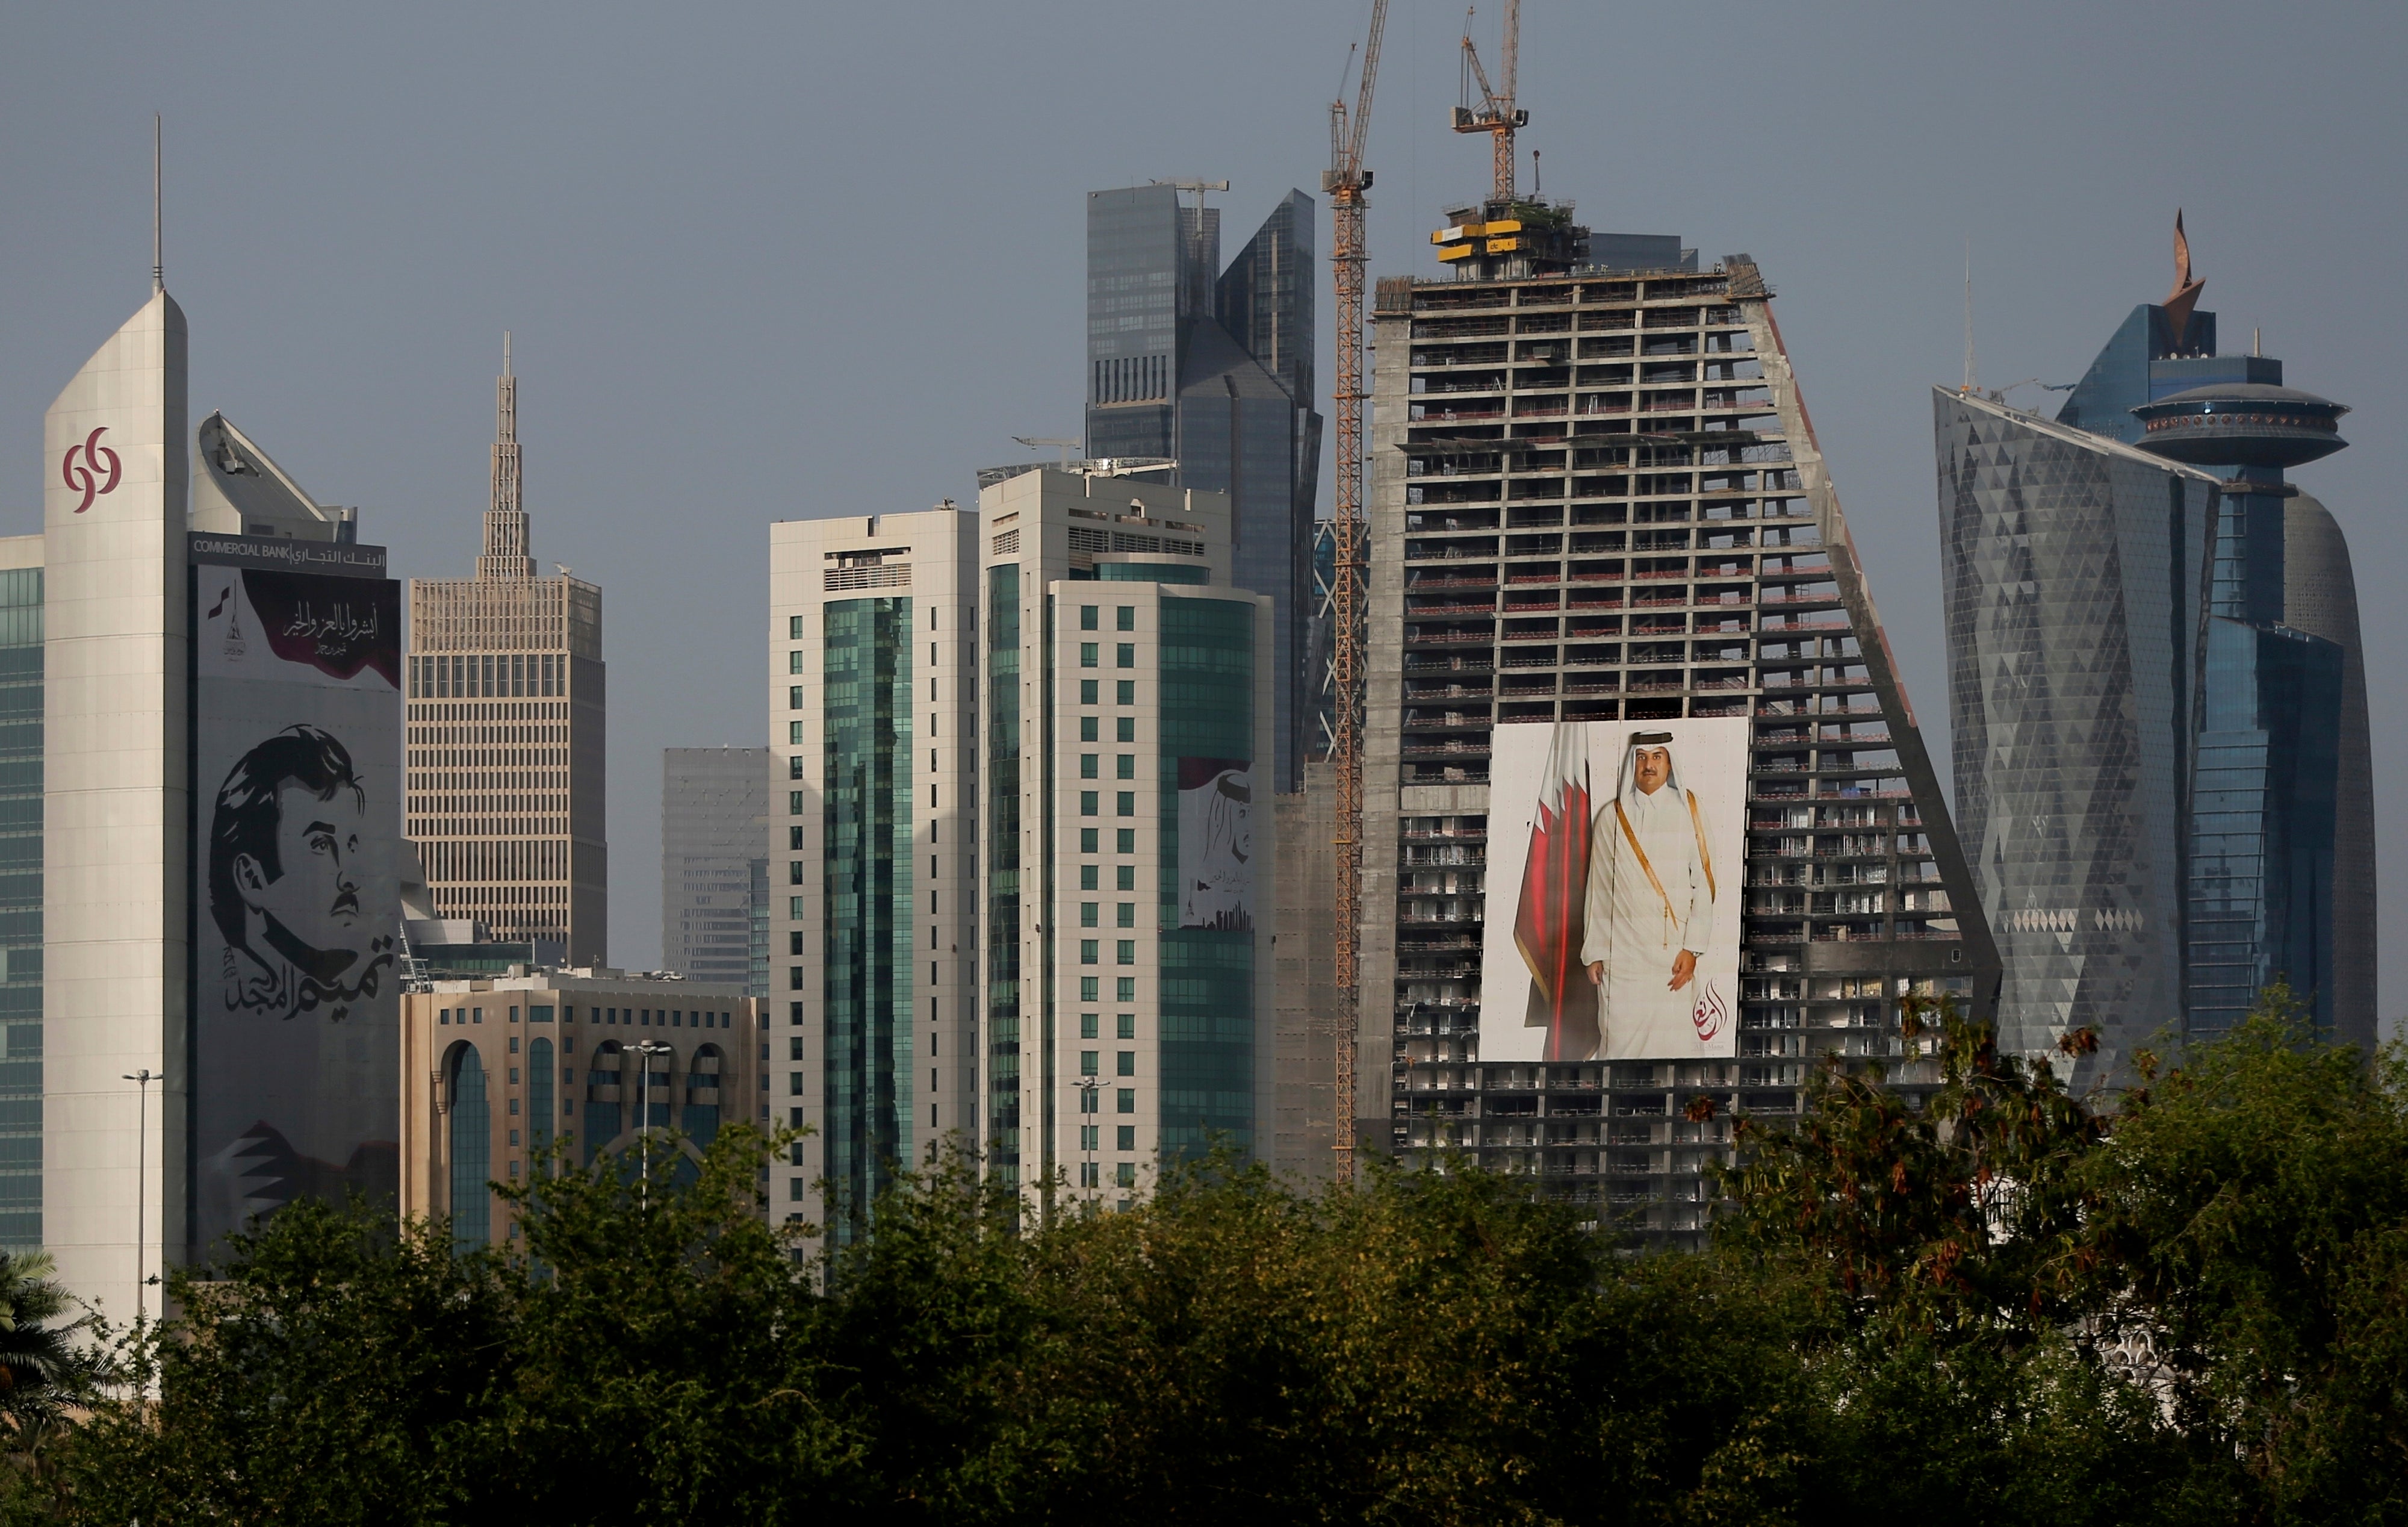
(1967,388)
(509,542)
(158,259)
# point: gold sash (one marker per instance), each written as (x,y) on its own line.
(1705,860)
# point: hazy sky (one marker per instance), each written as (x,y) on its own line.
(774,261)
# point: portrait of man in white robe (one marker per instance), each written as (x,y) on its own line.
(1649,914)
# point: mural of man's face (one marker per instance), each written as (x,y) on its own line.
(1651,767)
(317,896)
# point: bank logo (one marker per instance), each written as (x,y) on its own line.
(85,475)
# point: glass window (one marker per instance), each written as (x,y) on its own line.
(1086,802)
(1127,876)
(1087,875)
(1086,617)
(1086,729)
(1124,654)
(1086,1026)
(794,628)
(1127,844)
(794,803)
(1127,1066)
(1088,841)
(1127,691)
(1088,951)
(1087,653)
(795,661)
(1127,802)
(471,1125)
(1127,1138)
(1087,1063)
(1126,1102)
(1127,727)
(1126,617)
(1128,914)
(1087,691)
(1087,765)
(1086,914)
(1127,1022)
(1124,767)
(1127,952)
(794,697)
(1125,989)
(1087,985)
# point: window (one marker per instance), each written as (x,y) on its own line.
(1126,617)
(1124,1099)
(1087,1063)
(1125,837)
(794,628)
(793,872)
(1127,802)
(795,661)
(1129,1026)
(1087,985)
(795,764)
(1126,1063)
(794,838)
(795,1047)
(1127,1137)
(1087,764)
(794,1084)
(1088,951)
(1086,1026)
(794,1189)
(1086,802)
(1088,841)
(1124,767)
(1086,729)
(1086,655)
(1127,952)
(1124,1174)
(794,697)
(1127,691)
(794,803)
(1128,914)
(1090,1172)
(1087,875)
(1087,691)
(1086,617)
(1127,725)
(1127,873)
(1086,914)
(1124,654)
(1125,989)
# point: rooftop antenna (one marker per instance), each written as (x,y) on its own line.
(158,259)
(2256,339)
(1967,388)
(506,353)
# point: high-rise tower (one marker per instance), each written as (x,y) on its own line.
(506,710)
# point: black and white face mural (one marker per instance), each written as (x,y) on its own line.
(297,725)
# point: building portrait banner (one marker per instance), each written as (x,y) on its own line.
(296,731)
(1615,856)
(1216,843)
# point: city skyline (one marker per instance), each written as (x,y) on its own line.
(1885,249)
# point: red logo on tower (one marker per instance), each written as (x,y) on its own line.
(85,474)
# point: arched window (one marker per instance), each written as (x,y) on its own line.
(540,1095)
(472,1151)
(602,1097)
(702,1097)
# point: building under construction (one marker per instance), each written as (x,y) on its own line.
(1595,495)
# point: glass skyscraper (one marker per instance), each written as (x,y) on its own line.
(714,865)
(1210,368)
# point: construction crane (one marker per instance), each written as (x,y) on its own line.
(1344,184)
(1496,115)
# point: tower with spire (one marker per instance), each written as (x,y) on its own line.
(506,712)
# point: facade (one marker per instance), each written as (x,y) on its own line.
(2072,567)
(1209,371)
(2239,691)
(1597,508)
(715,866)
(506,732)
(1127,977)
(497,1075)
(872,701)
(216,907)
(21,892)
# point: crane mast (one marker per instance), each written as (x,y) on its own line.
(1344,184)
(1496,115)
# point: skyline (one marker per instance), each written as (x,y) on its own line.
(407,175)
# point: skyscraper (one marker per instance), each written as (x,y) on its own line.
(1604,541)
(2243,715)
(872,708)
(1212,368)
(1124,922)
(507,712)
(715,866)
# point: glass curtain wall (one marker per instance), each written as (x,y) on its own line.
(1003,872)
(21,909)
(472,1151)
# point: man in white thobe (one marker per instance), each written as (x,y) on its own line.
(1650,911)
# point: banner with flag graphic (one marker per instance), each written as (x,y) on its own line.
(1547,925)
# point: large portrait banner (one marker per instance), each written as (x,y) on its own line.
(296,723)
(1616,851)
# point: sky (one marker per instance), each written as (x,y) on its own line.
(769,262)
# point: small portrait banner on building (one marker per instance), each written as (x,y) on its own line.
(1615,861)
(1216,843)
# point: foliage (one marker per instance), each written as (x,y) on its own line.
(1912,1311)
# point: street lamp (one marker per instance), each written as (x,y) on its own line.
(648,1049)
(1088,1108)
(142,1080)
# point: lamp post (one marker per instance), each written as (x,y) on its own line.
(141,1080)
(1088,1088)
(646,1050)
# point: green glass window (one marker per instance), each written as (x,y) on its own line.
(1124,767)
(1086,1026)
(1087,1063)
(1086,729)
(1086,617)
(1088,951)
(1124,654)
(1127,802)
(1086,765)
(1127,694)
(1125,617)
(1087,803)
(1087,653)
(1126,729)
(1087,691)
(1127,1063)
(1127,952)
(1086,914)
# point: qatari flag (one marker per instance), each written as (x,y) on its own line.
(1547,926)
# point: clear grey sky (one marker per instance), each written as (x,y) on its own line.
(776,260)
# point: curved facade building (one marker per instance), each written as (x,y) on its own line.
(2320,598)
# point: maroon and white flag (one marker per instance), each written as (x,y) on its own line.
(1547,926)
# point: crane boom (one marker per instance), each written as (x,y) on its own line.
(1497,115)
(1345,182)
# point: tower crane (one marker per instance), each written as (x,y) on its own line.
(1496,115)
(1344,183)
